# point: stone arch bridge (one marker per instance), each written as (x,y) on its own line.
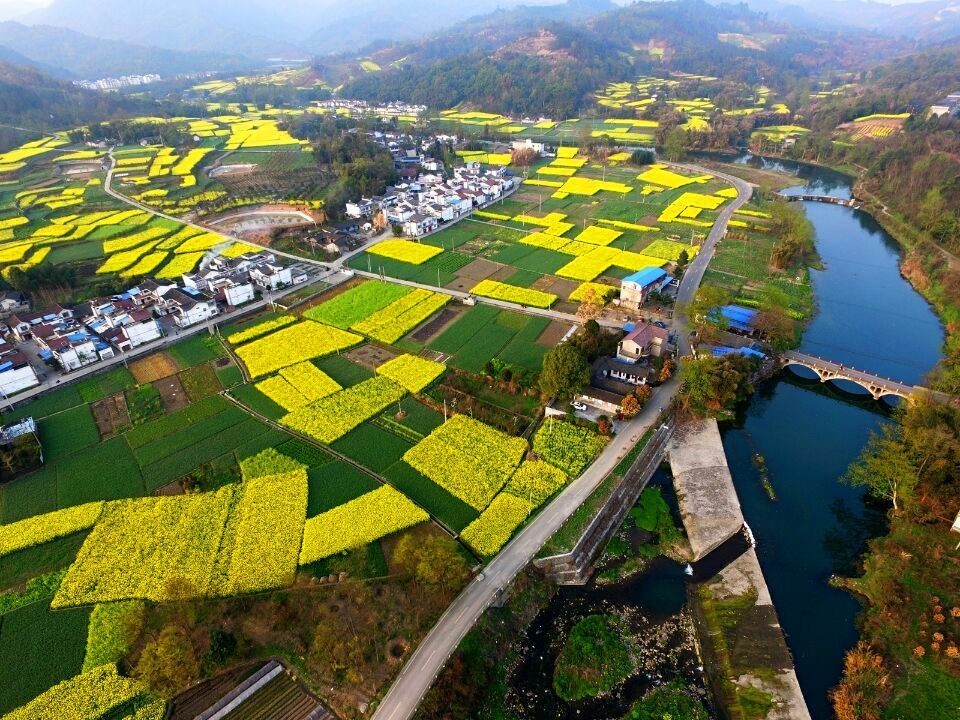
(878,387)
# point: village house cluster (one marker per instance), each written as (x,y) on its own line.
(69,338)
(421,205)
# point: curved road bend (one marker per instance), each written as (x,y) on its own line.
(431,655)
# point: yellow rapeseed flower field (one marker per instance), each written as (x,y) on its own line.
(370,517)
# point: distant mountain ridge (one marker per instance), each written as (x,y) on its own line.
(259,28)
(73,55)
(932,21)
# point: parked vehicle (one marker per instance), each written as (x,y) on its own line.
(577,405)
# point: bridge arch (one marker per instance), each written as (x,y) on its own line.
(827,372)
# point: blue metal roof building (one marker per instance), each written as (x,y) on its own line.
(739,317)
(723,350)
(646,277)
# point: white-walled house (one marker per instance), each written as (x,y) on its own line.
(420,225)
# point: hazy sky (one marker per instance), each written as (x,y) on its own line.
(13,8)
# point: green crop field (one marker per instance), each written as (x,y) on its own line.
(344,372)
(196,350)
(465,327)
(39,649)
(67,432)
(334,484)
(372,447)
(357,303)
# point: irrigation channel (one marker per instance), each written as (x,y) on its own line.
(867,317)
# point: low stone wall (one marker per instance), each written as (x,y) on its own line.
(708,501)
(576,567)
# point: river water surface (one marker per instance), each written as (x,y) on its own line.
(868,317)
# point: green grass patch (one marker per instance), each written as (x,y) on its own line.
(334,484)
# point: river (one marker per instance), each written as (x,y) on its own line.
(867,317)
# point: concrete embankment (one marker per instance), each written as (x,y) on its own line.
(747,655)
(708,501)
(750,653)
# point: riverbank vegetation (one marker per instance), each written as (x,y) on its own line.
(908,665)
(715,386)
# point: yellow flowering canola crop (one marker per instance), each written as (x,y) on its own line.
(49,526)
(568,447)
(405,251)
(304,340)
(332,417)
(146,548)
(370,517)
(598,235)
(468,459)
(669,250)
(267,326)
(535,481)
(261,541)
(411,372)
(604,292)
(282,393)
(514,294)
(310,381)
(90,696)
(401,316)
(490,532)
